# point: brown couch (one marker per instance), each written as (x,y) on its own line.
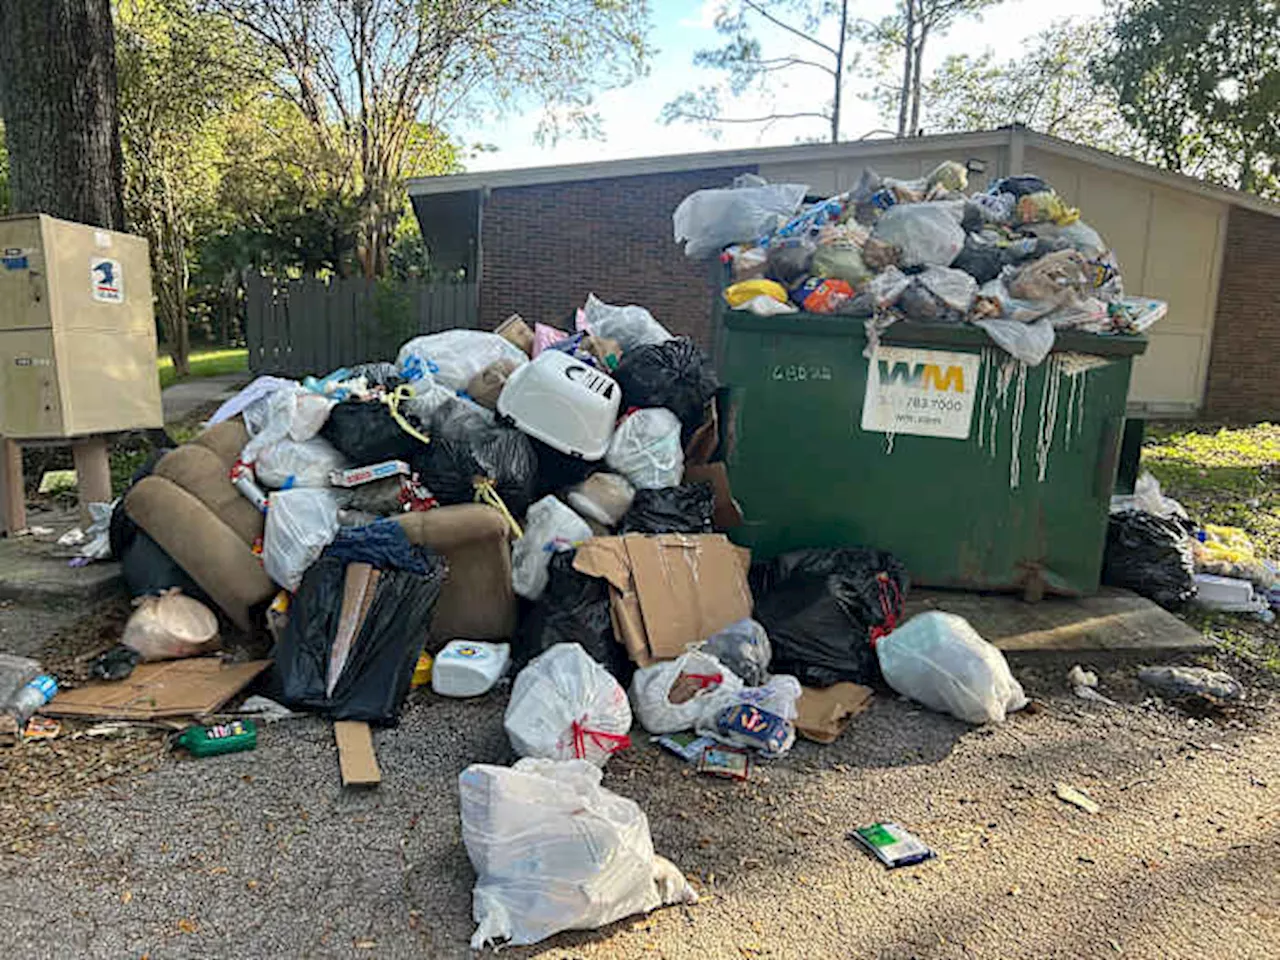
(189,507)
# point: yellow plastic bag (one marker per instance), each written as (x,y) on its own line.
(744,290)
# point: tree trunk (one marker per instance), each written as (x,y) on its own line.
(915,81)
(58,100)
(835,100)
(908,50)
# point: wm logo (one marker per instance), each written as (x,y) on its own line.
(927,375)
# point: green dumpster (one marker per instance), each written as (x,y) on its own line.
(976,470)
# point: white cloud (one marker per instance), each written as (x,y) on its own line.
(706,18)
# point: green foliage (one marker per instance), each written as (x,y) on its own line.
(1049,88)
(379,81)
(1200,79)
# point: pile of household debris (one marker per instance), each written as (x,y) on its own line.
(553,505)
(1014,260)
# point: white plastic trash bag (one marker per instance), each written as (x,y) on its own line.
(288,463)
(631,326)
(925,233)
(699,683)
(170,627)
(710,220)
(455,356)
(940,661)
(565,706)
(646,449)
(1028,342)
(291,412)
(550,527)
(553,850)
(300,524)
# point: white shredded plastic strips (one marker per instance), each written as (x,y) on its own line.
(565,706)
(300,524)
(939,660)
(646,449)
(553,850)
(550,527)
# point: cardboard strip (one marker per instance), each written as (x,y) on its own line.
(357,760)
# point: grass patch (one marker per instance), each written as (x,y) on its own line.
(1225,476)
(208,363)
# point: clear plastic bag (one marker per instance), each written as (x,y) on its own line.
(939,660)
(603,497)
(710,220)
(675,695)
(565,706)
(955,288)
(744,648)
(646,449)
(171,627)
(549,528)
(1028,342)
(455,356)
(841,261)
(927,234)
(300,524)
(553,850)
(288,463)
(632,326)
(289,413)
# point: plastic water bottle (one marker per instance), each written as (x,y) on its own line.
(33,696)
(15,673)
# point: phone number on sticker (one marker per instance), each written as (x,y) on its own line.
(935,403)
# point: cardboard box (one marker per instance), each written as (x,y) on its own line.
(668,591)
(821,714)
(356,476)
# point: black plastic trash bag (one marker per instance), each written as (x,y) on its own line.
(683,509)
(675,374)
(379,668)
(366,433)
(1151,556)
(454,470)
(149,570)
(823,609)
(558,470)
(574,608)
(982,261)
(382,544)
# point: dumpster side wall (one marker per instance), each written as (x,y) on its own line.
(1244,371)
(545,247)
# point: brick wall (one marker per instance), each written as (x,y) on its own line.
(1244,366)
(544,248)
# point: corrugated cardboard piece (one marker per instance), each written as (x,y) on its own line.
(174,688)
(821,714)
(669,591)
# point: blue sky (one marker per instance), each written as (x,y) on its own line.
(680,27)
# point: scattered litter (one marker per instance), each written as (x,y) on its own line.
(72,538)
(1191,682)
(231,737)
(266,709)
(422,671)
(728,762)
(41,728)
(823,713)
(1083,684)
(686,745)
(892,845)
(1075,797)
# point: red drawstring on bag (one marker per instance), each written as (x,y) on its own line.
(608,742)
(890,604)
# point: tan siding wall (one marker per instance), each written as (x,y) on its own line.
(1169,243)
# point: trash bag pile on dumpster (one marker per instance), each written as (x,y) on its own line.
(1014,259)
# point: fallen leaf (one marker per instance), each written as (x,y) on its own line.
(368,944)
(126,896)
(1076,798)
(188,926)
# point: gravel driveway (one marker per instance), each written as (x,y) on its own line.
(264,855)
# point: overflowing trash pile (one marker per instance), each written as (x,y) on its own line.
(1155,549)
(550,507)
(1014,260)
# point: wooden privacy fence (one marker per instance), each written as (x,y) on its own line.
(311,326)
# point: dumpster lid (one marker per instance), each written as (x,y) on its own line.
(915,332)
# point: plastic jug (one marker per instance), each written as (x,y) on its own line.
(468,668)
